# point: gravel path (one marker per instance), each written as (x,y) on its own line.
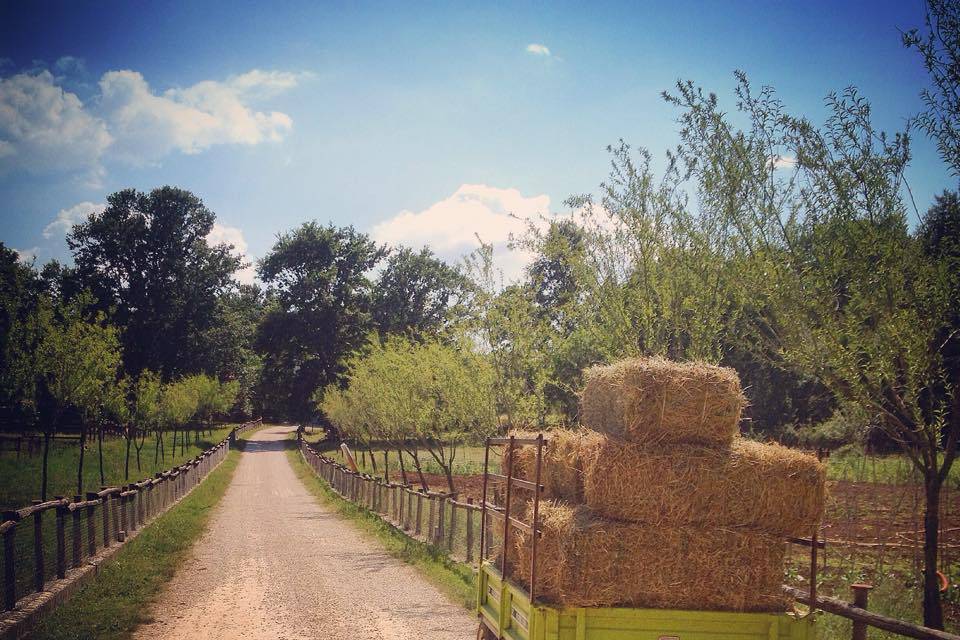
(275,564)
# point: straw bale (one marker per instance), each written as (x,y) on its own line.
(561,471)
(653,399)
(745,484)
(583,560)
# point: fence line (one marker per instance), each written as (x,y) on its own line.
(448,524)
(103,518)
(459,536)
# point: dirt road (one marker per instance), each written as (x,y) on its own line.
(276,564)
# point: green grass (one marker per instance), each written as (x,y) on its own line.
(114,604)
(454,579)
(852,464)
(468,461)
(20,478)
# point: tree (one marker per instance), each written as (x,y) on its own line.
(939,46)
(417,294)
(844,292)
(146,260)
(233,357)
(178,404)
(321,315)
(77,358)
(146,408)
(417,396)
(21,318)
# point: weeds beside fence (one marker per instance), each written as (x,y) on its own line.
(436,518)
(41,542)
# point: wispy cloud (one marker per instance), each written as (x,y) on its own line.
(66,218)
(539,49)
(451,226)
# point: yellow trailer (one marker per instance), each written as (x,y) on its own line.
(507,612)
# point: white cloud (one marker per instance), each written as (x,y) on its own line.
(43,127)
(27,255)
(450,227)
(66,218)
(782,162)
(148,126)
(224,234)
(538,49)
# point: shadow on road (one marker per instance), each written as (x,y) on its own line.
(260,446)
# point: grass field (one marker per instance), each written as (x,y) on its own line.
(20,478)
(111,606)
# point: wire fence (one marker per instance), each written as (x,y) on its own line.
(44,541)
(436,518)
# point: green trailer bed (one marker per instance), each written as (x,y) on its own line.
(506,612)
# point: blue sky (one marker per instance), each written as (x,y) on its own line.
(418,122)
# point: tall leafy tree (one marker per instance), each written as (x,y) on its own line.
(21,293)
(77,359)
(146,259)
(417,294)
(320,314)
(844,291)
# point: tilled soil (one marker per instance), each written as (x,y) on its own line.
(275,564)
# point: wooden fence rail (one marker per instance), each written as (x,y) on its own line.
(454,527)
(104,517)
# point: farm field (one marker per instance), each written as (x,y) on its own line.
(20,477)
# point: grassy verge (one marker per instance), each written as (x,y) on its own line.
(114,604)
(454,579)
(20,478)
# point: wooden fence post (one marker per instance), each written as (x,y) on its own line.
(39,573)
(453,525)
(441,516)
(418,528)
(61,540)
(91,527)
(122,500)
(469,531)
(75,516)
(105,506)
(9,569)
(861,593)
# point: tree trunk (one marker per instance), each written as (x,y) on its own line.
(932,607)
(83,447)
(373,460)
(416,465)
(139,446)
(403,468)
(126,462)
(156,450)
(43,474)
(386,467)
(447,472)
(100,454)
(173,450)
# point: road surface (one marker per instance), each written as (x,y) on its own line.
(275,564)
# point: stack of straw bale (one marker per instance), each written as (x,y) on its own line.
(661,504)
